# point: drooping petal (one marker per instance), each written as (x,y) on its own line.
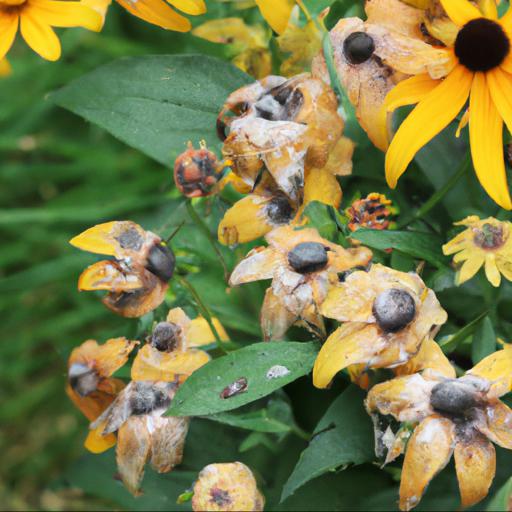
(431,115)
(469,268)
(8,30)
(350,344)
(486,137)
(276,13)
(167,442)
(133,450)
(410,91)
(39,36)
(199,332)
(499,82)
(260,263)
(475,463)
(66,14)
(158,13)
(96,442)
(460,11)
(192,7)
(491,270)
(499,424)
(428,452)
(496,368)
(275,318)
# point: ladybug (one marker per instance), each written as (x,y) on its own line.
(196,172)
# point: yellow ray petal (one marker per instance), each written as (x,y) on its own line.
(491,270)
(499,425)
(350,344)
(489,8)
(499,84)
(66,14)
(410,91)
(97,443)
(96,239)
(158,13)
(460,11)
(429,117)
(8,29)
(322,186)
(107,275)
(469,268)
(199,332)
(40,36)
(496,368)
(475,463)
(486,137)
(276,13)
(428,452)
(192,7)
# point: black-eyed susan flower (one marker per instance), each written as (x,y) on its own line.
(482,73)
(91,386)
(227,487)
(486,242)
(36,19)
(372,56)
(137,279)
(386,316)
(156,12)
(248,43)
(303,267)
(461,416)
(172,351)
(373,212)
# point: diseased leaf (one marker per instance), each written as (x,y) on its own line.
(343,436)
(256,371)
(484,341)
(155,103)
(423,246)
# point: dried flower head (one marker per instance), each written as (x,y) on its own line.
(386,316)
(137,278)
(302,266)
(485,242)
(227,487)
(459,416)
(372,212)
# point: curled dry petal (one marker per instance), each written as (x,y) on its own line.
(260,263)
(497,369)
(275,318)
(168,436)
(498,426)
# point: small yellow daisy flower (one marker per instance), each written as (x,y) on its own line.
(482,72)
(484,242)
(36,19)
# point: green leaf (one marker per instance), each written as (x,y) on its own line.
(423,246)
(319,217)
(201,393)
(343,436)
(258,421)
(155,103)
(450,343)
(502,500)
(484,341)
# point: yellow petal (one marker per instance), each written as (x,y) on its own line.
(460,11)
(259,264)
(98,443)
(464,121)
(158,13)
(429,117)
(489,8)
(491,270)
(470,267)
(322,186)
(499,425)
(8,29)
(39,36)
(108,275)
(97,239)
(428,452)
(199,332)
(475,463)
(410,91)
(192,7)
(499,83)
(100,6)
(276,13)
(486,137)
(352,343)
(5,68)
(496,368)
(66,14)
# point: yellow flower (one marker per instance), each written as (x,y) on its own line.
(372,56)
(482,73)
(276,13)
(303,267)
(137,279)
(485,242)
(90,385)
(249,43)
(36,19)
(387,315)
(453,416)
(372,212)
(227,487)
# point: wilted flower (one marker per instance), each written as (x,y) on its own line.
(372,56)
(227,487)
(386,316)
(483,76)
(37,19)
(460,416)
(485,242)
(91,386)
(303,267)
(137,278)
(372,212)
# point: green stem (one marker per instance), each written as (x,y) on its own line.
(203,308)
(302,434)
(206,230)
(439,195)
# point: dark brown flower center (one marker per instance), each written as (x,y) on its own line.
(489,237)
(279,210)
(481,45)
(453,398)
(165,336)
(82,379)
(358,47)
(147,397)
(308,257)
(394,309)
